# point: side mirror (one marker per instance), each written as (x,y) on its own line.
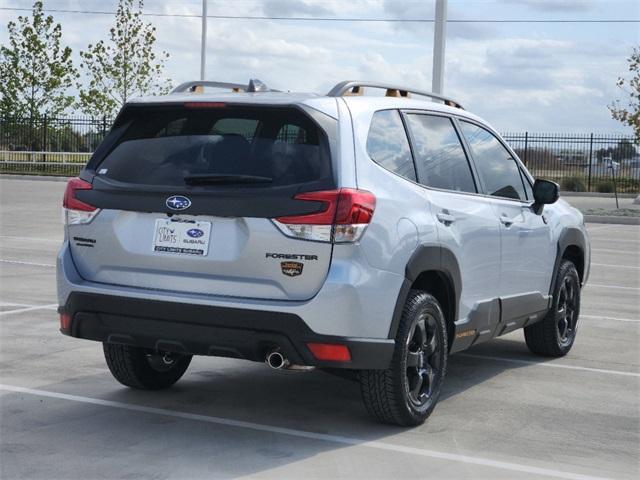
(544,192)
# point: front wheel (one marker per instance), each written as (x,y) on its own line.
(144,369)
(406,393)
(553,336)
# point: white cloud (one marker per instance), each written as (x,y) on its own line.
(549,6)
(519,77)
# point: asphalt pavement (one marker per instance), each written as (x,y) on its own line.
(504,413)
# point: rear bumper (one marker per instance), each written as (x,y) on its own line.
(210,330)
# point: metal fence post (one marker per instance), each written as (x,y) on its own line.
(44,138)
(590,162)
(526,147)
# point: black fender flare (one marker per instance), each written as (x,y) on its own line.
(428,258)
(570,236)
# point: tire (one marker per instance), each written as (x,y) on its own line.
(403,394)
(553,336)
(144,369)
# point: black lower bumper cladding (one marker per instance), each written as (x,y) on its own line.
(207,330)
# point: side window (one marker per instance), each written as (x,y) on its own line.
(440,159)
(498,170)
(387,144)
(292,134)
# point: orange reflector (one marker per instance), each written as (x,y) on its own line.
(65,321)
(330,351)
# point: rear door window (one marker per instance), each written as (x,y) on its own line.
(387,144)
(440,159)
(264,145)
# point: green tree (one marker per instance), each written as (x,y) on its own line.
(630,114)
(35,68)
(123,67)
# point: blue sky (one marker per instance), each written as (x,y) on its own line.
(525,76)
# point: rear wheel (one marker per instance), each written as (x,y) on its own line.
(407,392)
(144,369)
(554,335)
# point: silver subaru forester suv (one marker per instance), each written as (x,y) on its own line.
(369,235)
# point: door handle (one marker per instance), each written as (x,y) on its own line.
(506,221)
(446,218)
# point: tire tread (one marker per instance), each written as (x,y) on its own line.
(130,367)
(541,337)
(380,387)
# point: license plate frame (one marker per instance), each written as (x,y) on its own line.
(184,238)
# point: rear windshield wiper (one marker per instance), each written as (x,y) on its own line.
(221,179)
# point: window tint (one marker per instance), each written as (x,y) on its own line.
(387,144)
(498,170)
(440,159)
(292,134)
(163,146)
(236,126)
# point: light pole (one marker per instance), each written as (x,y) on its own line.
(203,48)
(439,41)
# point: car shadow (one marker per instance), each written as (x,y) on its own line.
(241,391)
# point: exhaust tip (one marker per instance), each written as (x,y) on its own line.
(276,360)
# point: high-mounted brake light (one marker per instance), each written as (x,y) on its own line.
(343,218)
(205,105)
(76,211)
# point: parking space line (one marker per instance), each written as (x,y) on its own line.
(34,264)
(609,265)
(52,306)
(603,317)
(35,239)
(351,441)
(549,364)
(611,286)
(13,304)
(611,250)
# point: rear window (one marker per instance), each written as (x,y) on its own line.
(163,146)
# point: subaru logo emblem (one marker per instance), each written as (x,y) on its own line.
(195,233)
(178,202)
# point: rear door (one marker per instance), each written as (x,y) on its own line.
(466,222)
(187,193)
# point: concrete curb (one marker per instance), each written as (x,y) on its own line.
(597,194)
(51,178)
(612,219)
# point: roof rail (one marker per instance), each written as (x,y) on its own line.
(197,86)
(356,87)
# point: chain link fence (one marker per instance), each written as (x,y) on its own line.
(583,163)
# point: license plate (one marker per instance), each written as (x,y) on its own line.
(186,238)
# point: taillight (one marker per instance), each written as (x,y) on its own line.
(76,211)
(344,217)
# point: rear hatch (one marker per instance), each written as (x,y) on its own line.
(186,196)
